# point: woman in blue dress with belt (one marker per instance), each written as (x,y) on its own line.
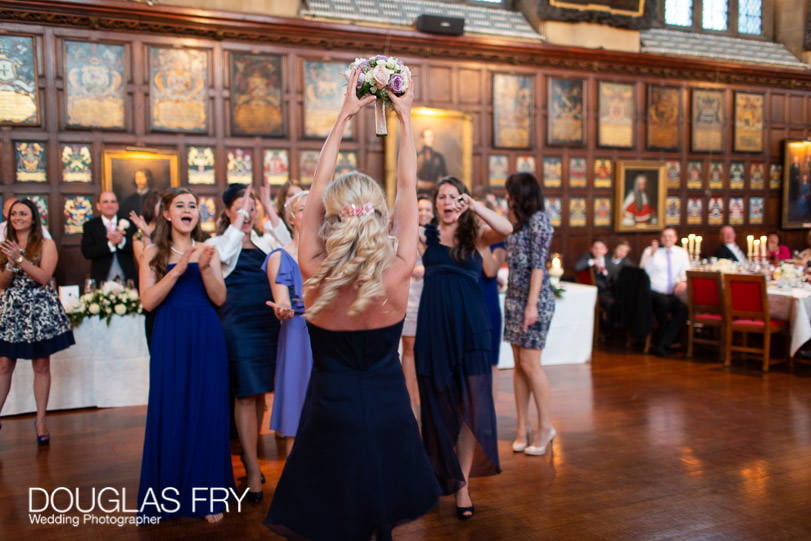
(358,468)
(452,348)
(251,330)
(187,454)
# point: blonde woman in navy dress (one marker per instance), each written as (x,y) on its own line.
(528,309)
(33,324)
(358,468)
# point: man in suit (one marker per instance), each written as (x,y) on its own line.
(142,179)
(729,249)
(107,242)
(667,268)
(618,260)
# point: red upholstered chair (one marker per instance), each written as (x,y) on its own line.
(586,276)
(705,304)
(746,311)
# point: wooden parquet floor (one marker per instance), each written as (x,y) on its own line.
(648,448)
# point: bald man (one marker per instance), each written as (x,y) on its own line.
(107,242)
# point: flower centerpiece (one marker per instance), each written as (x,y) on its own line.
(112,299)
(380,75)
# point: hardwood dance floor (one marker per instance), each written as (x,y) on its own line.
(648,448)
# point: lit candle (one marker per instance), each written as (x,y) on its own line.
(749,243)
(699,238)
(691,244)
(756,247)
(556,262)
(763,247)
(684,243)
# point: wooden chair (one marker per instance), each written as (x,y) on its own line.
(746,311)
(705,304)
(586,277)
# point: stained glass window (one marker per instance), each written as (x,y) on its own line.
(750,16)
(679,12)
(714,14)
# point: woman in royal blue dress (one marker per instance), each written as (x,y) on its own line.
(358,468)
(251,330)
(452,348)
(186,443)
(294,357)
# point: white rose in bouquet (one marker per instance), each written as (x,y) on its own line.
(111,286)
(133,295)
(123,224)
(94,309)
(120,309)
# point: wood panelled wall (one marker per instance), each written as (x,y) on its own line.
(450,73)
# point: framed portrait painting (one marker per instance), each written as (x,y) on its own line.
(796,200)
(257,95)
(639,199)
(513,97)
(132,174)
(19,91)
(664,117)
(748,122)
(178,92)
(566,125)
(707,121)
(616,115)
(444,142)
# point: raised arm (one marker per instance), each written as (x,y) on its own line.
(404,214)
(311,248)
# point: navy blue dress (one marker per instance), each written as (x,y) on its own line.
(489,287)
(452,355)
(357,467)
(251,328)
(186,444)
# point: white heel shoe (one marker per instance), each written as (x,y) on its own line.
(532,450)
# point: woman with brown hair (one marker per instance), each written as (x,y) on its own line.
(33,324)
(452,349)
(186,442)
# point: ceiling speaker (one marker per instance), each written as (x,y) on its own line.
(441,24)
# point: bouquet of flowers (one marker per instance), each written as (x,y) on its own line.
(112,299)
(380,75)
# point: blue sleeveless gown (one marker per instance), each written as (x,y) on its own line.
(452,356)
(186,444)
(357,468)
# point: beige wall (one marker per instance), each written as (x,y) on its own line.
(278,8)
(590,36)
(789,24)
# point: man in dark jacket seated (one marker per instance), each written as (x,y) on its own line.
(729,249)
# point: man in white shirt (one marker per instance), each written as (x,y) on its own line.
(107,242)
(667,268)
(729,249)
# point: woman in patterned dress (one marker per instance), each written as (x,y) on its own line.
(529,307)
(33,324)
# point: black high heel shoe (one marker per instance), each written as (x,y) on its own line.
(254,497)
(464,513)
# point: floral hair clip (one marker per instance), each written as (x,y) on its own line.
(357,210)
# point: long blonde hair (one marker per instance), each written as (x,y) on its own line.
(356,243)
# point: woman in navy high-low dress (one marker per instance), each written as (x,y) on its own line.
(452,349)
(357,468)
(186,444)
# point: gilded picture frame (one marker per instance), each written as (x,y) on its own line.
(19,95)
(95,85)
(324,86)
(119,168)
(796,195)
(452,139)
(513,99)
(664,118)
(639,197)
(178,93)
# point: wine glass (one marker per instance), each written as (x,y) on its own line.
(89,285)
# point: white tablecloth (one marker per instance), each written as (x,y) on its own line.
(107,367)
(793,305)
(570,333)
